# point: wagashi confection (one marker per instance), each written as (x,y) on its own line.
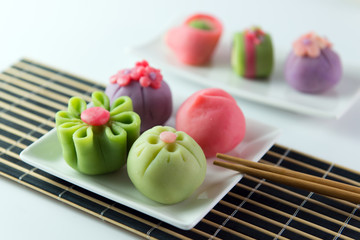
(96,140)
(150,94)
(166,165)
(312,65)
(194,41)
(213,118)
(252,54)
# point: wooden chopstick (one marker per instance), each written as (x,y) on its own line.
(292,178)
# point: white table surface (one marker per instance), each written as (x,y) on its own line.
(88,38)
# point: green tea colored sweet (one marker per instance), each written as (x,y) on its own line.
(252,54)
(93,144)
(166,165)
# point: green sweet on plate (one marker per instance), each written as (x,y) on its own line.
(166,165)
(252,54)
(96,140)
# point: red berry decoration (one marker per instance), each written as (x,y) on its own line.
(95,116)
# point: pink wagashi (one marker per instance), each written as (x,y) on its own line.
(213,118)
(194,44)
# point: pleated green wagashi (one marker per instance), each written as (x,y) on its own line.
(96,140)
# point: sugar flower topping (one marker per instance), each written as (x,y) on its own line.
(255,34)
(141,72)
(95,116)
(122,77)
(168,137)
(310,45)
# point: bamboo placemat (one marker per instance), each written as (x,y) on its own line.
(31,93)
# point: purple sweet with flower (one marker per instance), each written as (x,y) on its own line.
(151,96)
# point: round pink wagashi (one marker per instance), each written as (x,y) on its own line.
(213,118)
(195,40)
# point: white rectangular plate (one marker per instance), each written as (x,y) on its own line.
(274,92)
(46,154)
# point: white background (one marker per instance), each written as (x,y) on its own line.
(88,38)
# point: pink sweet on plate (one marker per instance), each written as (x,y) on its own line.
(213,118)
(195,40)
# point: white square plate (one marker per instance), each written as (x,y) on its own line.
(46,154)
(274,92)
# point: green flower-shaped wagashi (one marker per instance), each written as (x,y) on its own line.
(96,140)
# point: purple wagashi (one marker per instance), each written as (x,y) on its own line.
(151,96)
(312,66)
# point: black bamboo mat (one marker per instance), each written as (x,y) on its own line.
(31,93)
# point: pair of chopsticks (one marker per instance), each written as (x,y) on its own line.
(291,178)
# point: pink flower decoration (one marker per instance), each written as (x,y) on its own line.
(142,72)
(168,137)
(151,77)
(95,116)
(139,70)
(122,77)
(310,45)
(255,34)
(142,63)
